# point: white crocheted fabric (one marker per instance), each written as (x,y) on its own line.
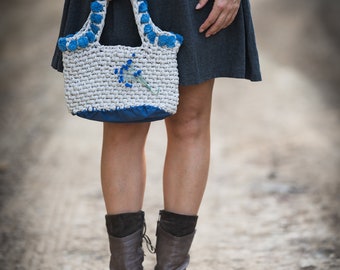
(121,83)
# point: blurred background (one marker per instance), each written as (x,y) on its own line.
(272,201)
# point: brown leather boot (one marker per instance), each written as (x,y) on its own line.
(126,232)
(172,252)
(127,252)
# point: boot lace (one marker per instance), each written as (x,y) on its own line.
(147,240)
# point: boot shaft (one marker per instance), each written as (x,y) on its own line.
(125,241)
(172,251)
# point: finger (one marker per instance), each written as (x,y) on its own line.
(233,13)
(201,4)
(214,14)
(223,21)
(229,19)
(217,26)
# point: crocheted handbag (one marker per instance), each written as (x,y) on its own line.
(121,83)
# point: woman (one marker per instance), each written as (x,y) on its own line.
(219,41)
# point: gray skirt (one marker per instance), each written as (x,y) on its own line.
(230,53)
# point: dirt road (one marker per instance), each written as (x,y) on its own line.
(272,200)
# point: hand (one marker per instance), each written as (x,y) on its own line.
(221,16)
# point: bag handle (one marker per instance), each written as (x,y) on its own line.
(91,31)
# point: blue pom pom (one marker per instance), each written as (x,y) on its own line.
(133,55)
(143,7)
(73,45)
(128,85)
(129,62)
(83,42)
(151,36)
(179,38)
(90,36)
(171,41)
(96,18)
(96,6)
(162,40)
(145,18)
(94,28)
(147,29)
(62,44)
(116,71)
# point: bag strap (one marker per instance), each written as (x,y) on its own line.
(91,31)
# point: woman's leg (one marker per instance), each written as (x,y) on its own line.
(185,175)
(123,169)
(188,152)
(123,184)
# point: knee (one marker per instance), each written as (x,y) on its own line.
(188,127)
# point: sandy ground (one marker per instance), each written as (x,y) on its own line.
(272,201)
